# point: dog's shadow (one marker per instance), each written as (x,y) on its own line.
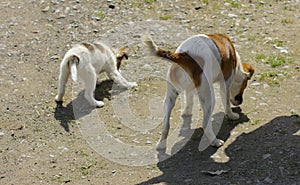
(80,107)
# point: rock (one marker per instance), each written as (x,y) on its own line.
(111,6)
(266,156)
(1,134)
(232,15)
(268,180)
(46,9)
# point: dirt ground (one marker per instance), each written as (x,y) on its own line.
(43,144)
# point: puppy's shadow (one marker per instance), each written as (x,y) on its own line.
(80,107)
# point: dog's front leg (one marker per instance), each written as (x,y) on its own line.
(226,98)
(207,100)
(169,104)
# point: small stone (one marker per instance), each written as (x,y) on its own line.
(1,134)
(265,156)
(265,86)
(232,15)
(46,9)
(268,180)
(255,84)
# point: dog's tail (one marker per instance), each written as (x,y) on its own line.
(155,50)
(73,61)
(182,59)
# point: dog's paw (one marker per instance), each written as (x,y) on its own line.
(98,104)
(217,143)
(233,116)
(58,98)
(161,145)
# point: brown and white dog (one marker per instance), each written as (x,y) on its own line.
(197,63)
(90,59)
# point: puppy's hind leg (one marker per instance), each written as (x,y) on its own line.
(169,103)
(62,81)
(90,79)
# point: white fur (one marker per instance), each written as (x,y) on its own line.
(91,63)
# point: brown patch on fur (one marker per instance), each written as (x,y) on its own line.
(186,62)
(227,53)
(90,47)
(248,69)
(122,54)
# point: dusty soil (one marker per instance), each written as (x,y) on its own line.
(43,144)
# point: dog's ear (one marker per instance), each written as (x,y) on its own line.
(120,55)
(249,70)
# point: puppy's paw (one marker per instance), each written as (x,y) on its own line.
(132,84)
(217,143)
(233,116)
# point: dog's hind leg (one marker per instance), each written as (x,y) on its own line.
(62,81)
(169,104)
(188,103)
(90,79)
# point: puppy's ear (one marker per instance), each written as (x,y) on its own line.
(249,70)
(120,55)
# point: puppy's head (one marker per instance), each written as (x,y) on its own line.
(239,84)
(120,55)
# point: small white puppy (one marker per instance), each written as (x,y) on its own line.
(197,63)
(90,59)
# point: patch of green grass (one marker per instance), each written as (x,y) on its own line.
(260,57)
(273,77)
(205,2)
(287,21)
(149,1)
(254,122)
(165,17)
(274,60)
(233,3)
(275,42)
(101,15)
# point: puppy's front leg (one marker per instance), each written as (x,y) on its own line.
(118,78)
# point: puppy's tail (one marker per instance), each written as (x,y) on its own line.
(73,61)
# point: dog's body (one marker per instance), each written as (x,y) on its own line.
(89,60)
(197,63)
